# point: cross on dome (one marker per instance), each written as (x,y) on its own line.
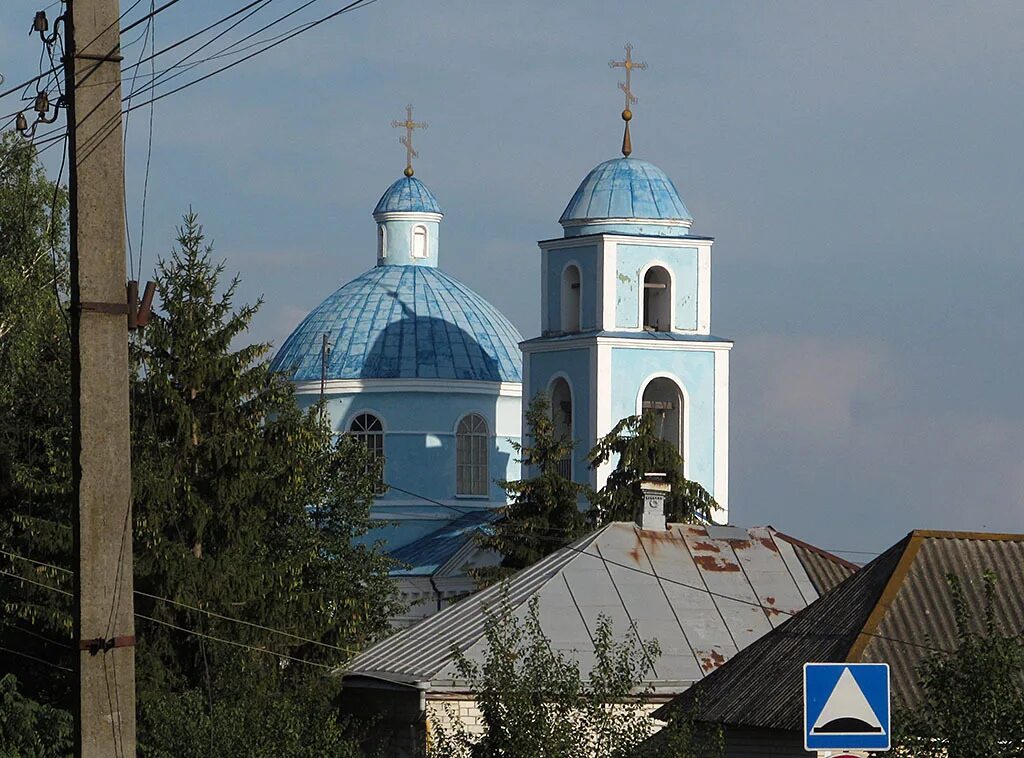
(409,125)
(629,65)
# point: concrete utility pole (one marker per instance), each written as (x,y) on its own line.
(104,623)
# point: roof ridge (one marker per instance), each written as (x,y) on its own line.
(957,535)
(911,545)
(815,549)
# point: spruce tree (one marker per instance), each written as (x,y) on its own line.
(244,507)
(638,450)
(543,514)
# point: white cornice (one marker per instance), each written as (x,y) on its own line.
(587,340)
(671,222)
(407,216)
(628,239)
(352,386)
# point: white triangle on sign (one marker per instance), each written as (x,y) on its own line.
(847,711)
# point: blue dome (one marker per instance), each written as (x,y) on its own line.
(626,188)
(408,194)
(404,322)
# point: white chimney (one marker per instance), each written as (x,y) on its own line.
(655,489)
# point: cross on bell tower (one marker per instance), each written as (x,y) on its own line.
(629,65)
(409,125)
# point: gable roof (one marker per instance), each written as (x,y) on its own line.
(894,610)
(432,553)
(704,592)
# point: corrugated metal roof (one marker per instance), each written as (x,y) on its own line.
(893,610)
(824,569)
(703,592)
(917,605)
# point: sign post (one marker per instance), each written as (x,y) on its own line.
(846,709)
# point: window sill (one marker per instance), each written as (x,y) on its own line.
(472,497)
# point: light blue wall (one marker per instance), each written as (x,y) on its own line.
(419,443)
(399,243)
(575,364)
(555,261)
(696,371)
(681,263)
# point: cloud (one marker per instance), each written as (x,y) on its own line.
(811,385)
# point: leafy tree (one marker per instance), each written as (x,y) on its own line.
(294,723)
(244,507)
(35,429)
(973,696)
(535,702)
(29,729)
(543,514)
(638,450)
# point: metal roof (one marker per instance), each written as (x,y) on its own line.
(404,322)
(893,610)
(427,555)
(825,569)
(626,188)
(704,592)
(409,195)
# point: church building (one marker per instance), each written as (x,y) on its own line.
(428,375)
(434,379)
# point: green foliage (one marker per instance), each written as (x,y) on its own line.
(536,704)
(35,429)
(31,730)
(543,513)
(245,507)
(638,450)
(293,723)
(972,697)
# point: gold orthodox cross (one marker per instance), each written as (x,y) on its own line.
(630,65)
(406,140)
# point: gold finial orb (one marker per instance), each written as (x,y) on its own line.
(408,171)
(627,114)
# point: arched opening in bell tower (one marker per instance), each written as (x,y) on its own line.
(664,400)
(571,299)
(561,418)
(657,300)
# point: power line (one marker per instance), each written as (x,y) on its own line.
(50,138)
(232,642)
(180,604)
(247,623)
(34,658)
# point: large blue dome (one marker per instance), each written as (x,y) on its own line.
(404,322)
(409,195)
(626,188)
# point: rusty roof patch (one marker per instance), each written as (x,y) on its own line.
(714,563)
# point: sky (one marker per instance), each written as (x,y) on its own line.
(859,165)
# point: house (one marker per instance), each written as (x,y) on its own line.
(705,592)
(894,610)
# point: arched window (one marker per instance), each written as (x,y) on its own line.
(471,446)
(561,418)
(571,299)
(657,308)
(664,400)
(382,242)
(419,242)
(368,429)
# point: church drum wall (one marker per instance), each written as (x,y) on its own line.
(419,437)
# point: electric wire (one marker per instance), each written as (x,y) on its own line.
(50,137)
(35,658)
(180,604)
